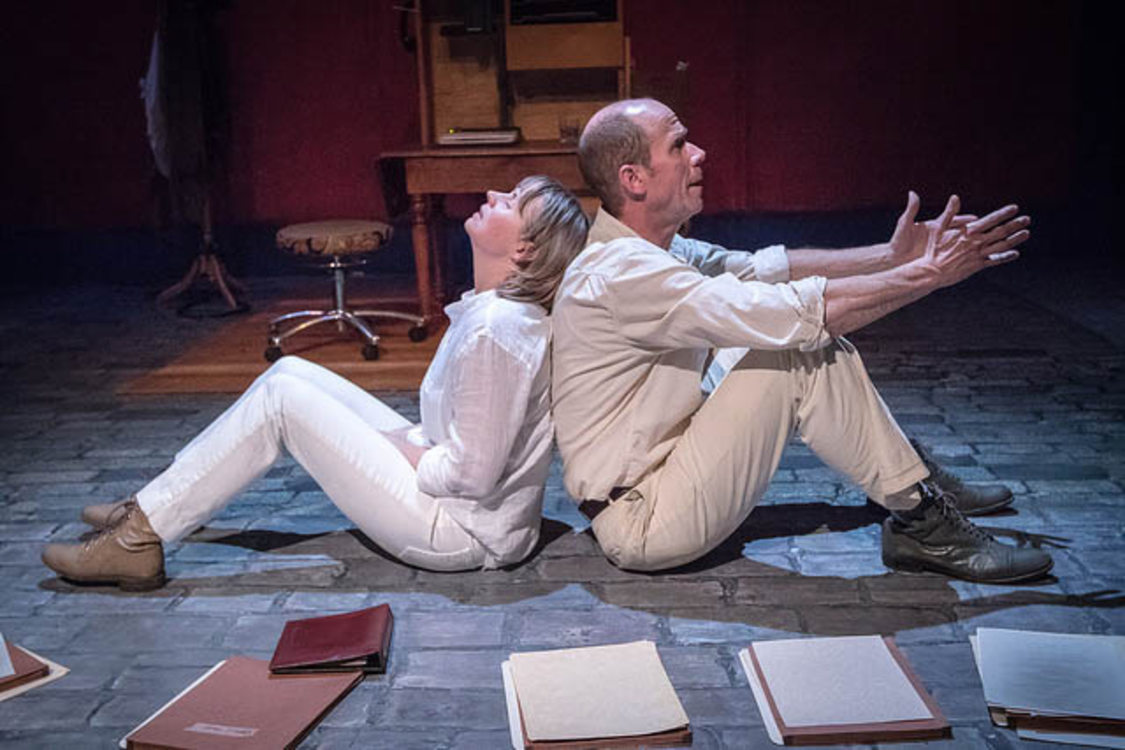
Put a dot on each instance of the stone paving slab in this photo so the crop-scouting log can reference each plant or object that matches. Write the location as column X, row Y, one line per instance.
column 1030, row 400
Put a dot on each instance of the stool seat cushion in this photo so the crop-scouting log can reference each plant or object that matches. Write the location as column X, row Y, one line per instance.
column 335, row 237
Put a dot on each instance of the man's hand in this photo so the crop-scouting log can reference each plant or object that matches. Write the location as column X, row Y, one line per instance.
column 413, row 453
column 954, row 252
column 1001, row 231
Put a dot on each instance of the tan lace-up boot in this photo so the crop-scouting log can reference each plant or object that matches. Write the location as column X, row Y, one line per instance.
column 128, row 554
column 107, row 514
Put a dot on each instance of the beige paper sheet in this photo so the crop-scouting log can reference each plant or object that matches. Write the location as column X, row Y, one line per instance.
column 54, row 672
column 600, row 691
column 837, row 681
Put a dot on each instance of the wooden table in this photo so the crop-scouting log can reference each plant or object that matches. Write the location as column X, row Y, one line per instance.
column 444, row 170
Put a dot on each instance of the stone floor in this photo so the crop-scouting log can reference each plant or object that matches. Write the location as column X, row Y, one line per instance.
column 1003, row 387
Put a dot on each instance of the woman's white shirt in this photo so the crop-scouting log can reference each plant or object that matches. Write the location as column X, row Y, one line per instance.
column 485, row 405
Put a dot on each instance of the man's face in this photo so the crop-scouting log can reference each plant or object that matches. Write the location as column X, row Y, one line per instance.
column 675, row 175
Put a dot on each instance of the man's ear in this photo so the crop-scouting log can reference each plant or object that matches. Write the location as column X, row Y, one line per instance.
column 633, row 180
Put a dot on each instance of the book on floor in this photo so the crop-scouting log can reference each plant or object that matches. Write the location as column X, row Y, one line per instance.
column 1057, row 687
column 595, row 697
column 238, row 703
column 21, row 670
column 850, row 689
column 336, row 643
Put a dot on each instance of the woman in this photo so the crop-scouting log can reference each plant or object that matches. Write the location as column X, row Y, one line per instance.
column 461, row 490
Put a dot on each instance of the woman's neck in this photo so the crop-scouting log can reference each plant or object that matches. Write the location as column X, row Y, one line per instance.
column 489, row 272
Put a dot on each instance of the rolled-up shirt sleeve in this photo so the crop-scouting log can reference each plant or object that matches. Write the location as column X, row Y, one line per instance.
column 661, row 303
column 490, row 395
column 770, row 264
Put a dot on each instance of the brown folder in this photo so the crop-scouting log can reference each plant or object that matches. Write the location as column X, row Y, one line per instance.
column 27, row 668
column 887, row 731
column 335, row 643
column 241, row 706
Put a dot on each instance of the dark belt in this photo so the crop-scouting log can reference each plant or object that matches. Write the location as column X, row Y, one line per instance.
column 591, row 508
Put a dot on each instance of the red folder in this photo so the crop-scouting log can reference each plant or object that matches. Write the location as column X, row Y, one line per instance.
column 241, row 706
column 335, row 643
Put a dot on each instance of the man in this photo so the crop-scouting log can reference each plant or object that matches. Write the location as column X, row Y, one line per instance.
column 666, row 474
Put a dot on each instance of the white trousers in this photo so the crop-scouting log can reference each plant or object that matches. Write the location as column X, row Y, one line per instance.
column 725, row 459
column 334, row 429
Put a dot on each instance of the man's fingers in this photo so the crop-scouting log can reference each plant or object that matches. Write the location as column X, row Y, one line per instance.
column 999, row 259
column 1006, row 245
column 1016, row 225
column 998, row 216
column 951, row 208
column 961, row 220
column 910, row 213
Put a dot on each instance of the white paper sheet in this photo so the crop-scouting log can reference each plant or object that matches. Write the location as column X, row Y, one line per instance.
column 1072, row 738
column 6, row 667
column 515, row 726
column 837, row 681
column 600, row 691
column 760, row 697
column 1054, row 673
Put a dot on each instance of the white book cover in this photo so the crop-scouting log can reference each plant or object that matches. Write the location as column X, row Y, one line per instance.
column 1053, row 673
column 600, row 691
column 837, row 682
column 1073, row 738
column 6, row 668
column 759, row 697
column 515, row 726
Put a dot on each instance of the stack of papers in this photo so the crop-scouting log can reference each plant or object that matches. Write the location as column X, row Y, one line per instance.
column 825, row 691
column 1057, row 687
column 602, row 696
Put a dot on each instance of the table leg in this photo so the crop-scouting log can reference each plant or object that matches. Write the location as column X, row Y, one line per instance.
column 440, row 253
column 420, row 233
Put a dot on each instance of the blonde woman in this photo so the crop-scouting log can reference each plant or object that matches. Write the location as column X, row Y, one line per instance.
column 461, row 490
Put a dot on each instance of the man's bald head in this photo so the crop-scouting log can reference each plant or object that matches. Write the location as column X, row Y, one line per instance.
column 617, row 134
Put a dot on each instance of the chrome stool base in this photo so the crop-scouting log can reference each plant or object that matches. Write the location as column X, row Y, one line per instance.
column 342, row 316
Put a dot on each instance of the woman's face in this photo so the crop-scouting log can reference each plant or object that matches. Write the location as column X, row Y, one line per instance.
column 496, row 228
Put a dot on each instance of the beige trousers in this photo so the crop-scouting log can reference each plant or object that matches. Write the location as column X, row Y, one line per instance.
column 725, row 459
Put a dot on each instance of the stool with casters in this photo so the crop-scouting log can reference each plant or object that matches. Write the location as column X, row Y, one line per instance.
column 338, row 245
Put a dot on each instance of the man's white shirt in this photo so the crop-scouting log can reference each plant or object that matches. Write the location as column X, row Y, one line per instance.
column 634, row 326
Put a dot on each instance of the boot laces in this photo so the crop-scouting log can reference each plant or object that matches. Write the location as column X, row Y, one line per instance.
column 98, row 538
column 101, row 535
column 957, row 519
column 939, row 473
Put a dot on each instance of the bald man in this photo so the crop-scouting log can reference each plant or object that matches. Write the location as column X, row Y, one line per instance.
column 664, row 472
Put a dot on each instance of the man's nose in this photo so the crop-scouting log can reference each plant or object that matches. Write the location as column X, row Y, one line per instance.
column 698, row 155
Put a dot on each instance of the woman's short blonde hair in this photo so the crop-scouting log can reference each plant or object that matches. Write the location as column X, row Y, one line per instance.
column 555, row 227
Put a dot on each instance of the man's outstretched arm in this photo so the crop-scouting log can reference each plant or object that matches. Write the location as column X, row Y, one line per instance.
column 949, row 255
column 907, row 244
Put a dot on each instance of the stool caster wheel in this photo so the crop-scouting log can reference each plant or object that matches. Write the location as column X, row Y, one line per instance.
column 371, row 351
column 273, row 353
column 417, row 333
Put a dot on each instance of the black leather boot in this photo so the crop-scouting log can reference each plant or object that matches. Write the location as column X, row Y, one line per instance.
column 936, row 537
column 975, row 500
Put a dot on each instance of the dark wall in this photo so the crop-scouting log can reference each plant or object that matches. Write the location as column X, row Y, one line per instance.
column 800, row 105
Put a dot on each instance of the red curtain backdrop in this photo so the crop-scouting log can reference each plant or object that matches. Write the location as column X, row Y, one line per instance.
column 801, row 105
